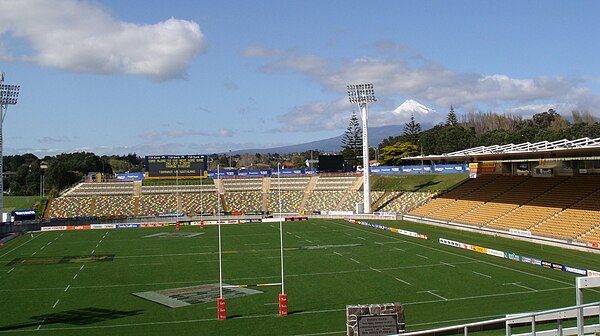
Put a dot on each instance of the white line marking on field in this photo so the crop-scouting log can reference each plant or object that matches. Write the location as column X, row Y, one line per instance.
column 422, row 256
column 399, row 249
column 10, row 270
column 297, row 236
column 150, row 264
column 432, row 292
column 93, row 251
column 364, row 230
column 362, row 238
column 404, row 282
column 378, row 243
column 339, row 254
column 49, row 243
column 75, row 276
column 44, row 320
column 375, row 269
column 66, row 289
column 356, row 261
column 483, row 275
column 518, row 284
column 41, row 248
column 308, row 241
column 97, row 245
column 271, row 304
column 55, row 303
column 447, row 264
column 82, row 266
column 256, row 244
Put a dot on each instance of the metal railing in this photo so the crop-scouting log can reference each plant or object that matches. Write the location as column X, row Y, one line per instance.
column 559, row 315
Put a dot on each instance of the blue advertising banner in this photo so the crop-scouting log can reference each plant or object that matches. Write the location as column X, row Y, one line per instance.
column 128, row 177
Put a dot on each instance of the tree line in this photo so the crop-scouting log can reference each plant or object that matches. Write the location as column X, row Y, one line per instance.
column 484, row 129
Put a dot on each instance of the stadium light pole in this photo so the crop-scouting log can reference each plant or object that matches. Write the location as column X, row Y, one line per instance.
column 221, row 307
column 362, row 95
column 9, row 93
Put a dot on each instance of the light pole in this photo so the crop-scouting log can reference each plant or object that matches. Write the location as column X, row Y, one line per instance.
column 362, row 95
column 9, row 93
column 43, row 167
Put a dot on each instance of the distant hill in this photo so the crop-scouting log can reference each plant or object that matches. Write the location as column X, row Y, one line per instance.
column 376, row 136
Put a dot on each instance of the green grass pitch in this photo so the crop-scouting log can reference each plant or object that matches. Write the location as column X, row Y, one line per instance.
column 82, row 282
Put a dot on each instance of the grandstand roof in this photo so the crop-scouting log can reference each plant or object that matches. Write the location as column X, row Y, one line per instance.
column 584, row 148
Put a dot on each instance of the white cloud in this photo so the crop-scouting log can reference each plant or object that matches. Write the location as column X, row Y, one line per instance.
column 396, row 79
column 221, row 133
column 82, row 36
column 316, row 117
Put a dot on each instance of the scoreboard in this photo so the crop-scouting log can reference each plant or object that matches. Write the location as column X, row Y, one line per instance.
column 172, row 166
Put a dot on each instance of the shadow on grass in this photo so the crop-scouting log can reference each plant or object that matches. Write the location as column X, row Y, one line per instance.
column 82, row 316
column 426, row 184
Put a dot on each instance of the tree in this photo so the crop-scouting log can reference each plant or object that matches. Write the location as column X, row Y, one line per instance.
column 451, row 119
column 392, row 155
column 352, row 141
column 412, row 129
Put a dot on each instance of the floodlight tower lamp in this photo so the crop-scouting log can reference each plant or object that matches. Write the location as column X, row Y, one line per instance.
column 362, row 95
column 9, row 94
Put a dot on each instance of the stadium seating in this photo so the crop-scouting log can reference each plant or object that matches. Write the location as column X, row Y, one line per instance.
column 290, row 201
column 244, row 201
column 404, row 202
column 114, row 206
column 153, row 205
column 335, row 182
column 199, row 203
column 242, row 184
column 101, row 188
column 70, row 207
column 297, row 183
column 323, row 200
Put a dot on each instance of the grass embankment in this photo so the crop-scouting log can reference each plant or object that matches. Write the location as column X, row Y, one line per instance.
column 424, row 182
column 24, row 202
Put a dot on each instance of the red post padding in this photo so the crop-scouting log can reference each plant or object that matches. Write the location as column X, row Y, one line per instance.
column 283, row 305
column 221, row 309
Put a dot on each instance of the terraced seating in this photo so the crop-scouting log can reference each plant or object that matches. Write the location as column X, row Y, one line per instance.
column 290, row 201
column 178, row 189
column 242, row 184
column 576, row 220
column 199, row 203
column 323, row 200
column 565, row 193
column 244, row 201
column 101, row 188
column 404, row 202
column 437, row 206
column 349, row 200
column 153, row 205
column 335, row 182
column 289, row 183
column 70, row 207
column 592, row 236
column 115, row 206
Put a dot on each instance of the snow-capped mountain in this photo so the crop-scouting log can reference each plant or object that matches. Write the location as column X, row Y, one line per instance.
column 411, row 106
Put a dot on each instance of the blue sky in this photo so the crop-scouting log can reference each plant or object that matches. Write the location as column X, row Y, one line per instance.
column 202, row 77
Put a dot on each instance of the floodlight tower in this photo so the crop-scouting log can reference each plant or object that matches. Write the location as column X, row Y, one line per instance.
column 362, row 95
column 8, row 96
